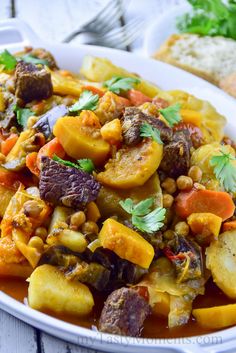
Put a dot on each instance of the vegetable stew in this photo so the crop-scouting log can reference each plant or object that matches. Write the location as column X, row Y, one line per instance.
column 117, row 199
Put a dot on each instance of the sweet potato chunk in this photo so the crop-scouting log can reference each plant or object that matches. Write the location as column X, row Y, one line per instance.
column 221, row 261
column 206, row 226
column 49, row 289
column 126, row 243
column 132, row 166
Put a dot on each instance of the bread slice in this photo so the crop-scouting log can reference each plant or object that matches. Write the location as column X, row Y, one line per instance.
column 211, row 58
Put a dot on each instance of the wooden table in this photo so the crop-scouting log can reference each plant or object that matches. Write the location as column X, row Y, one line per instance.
column 53, row 20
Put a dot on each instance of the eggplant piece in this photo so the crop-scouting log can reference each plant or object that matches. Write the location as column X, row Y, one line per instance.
column 47, row 121
column 186, row 256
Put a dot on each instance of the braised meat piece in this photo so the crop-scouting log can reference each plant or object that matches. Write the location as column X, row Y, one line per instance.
column 124, row 313
column 62, row 185
column 132, row 121
column 47, row 121
column 32, row 82
column 176, row 156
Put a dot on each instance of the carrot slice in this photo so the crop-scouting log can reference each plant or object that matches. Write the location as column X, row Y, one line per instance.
column 229, row 226
column 217, row 202
column 31, row 163
column 51, row 148
column 137, row 98
column 93, row 89
column 8, row 144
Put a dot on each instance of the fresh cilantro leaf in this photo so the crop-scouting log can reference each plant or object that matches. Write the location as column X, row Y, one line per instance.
column 7, row 60
column 118, row 84
column 172, row 114
column 87, row 101
column 22, row 115
column 141, row 216
column 147, row 130
column 210, row 17
column 83, row 164
column 86, row 165
column 151, row 222
column 28, row 58
column 225, row 170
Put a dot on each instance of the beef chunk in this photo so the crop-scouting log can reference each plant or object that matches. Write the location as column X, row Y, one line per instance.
column 47, row 121
column 66, row 186
column 124, row 313
column 134, row 118
column 32, row 82
column 176, row 156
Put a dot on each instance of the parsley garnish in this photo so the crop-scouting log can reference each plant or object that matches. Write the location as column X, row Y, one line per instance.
column 86, row 165
column 7, row 60
column 210, row 18
column 147, row 130
column 29, row 58
column 87, row 101
column 225, row 170
column 142, row 217
column 172, row 114
column 22, row 115
column 117, row 84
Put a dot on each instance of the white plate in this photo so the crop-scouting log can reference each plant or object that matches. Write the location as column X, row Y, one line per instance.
column 160, row 29
column 167, row 77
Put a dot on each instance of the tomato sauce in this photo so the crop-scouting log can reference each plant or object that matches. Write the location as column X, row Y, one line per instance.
column 154, row 327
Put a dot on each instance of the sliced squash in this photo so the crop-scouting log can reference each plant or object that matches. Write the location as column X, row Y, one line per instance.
column 221, row 261
column 81, row 141
column 132, row 166
column 216, row 317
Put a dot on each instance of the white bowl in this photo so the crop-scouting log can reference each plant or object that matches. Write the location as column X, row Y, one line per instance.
column 167, row 77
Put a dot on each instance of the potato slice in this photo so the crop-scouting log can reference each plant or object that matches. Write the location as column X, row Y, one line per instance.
column 216, row 317
column 132, row 166
column 50, row 290
column 221, row 261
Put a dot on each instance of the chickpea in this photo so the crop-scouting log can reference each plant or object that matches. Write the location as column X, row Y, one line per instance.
column 195, row 173
column 2, row 158
column 32, row 208
column 90, row 227
column 169, row 234
column 169, row 185
column 182, row 228
column 36, row 242
column 77, row 219
column 41, row 232
column 199, row 186
column 167, row 200
column 184, row 182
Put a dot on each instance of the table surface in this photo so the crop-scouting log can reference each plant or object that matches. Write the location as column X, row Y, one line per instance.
column 48, row 20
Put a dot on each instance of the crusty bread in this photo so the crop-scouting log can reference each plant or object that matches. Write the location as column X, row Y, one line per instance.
column 228, row 84
column 211, row 58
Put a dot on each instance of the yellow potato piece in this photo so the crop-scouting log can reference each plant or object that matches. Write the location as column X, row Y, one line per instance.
column 64, row 85
column 73, row 240
column 221, row 261
column 191, row 116
column 102, row 69
column 50, row 290
column 126, row 243
column 80, row 141
column 132, row 166
column 216, row 317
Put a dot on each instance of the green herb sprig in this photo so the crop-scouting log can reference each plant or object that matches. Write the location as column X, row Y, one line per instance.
column 225, row 170
column 172, row 114
column 210, row 17
column 86, row 165
column 147, row 130
column 22, row 115
column 7, row 60
column 87, row 101
column 117, row 83
column 142, row 217
column 29, row 58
